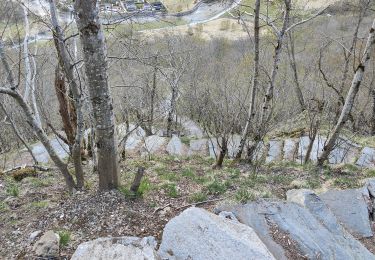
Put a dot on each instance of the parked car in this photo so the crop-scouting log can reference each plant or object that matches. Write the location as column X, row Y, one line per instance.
column 158, row 6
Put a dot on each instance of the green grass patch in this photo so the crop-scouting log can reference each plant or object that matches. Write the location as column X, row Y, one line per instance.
column 13, row 190
column 197, row 197
column 3, row 207
column 243, row 195
column 40, row 204
column 65, row 238
column 346, row 183
column 216, row 187
column 171, row 190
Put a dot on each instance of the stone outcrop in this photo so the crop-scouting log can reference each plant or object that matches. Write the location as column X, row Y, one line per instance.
column 200, row 235
column 117, row 248
column 48, row 245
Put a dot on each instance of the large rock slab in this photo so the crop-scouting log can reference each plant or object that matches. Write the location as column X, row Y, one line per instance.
column 41, row 154
column 367, row 158
column 351, row 209
column 290, row 149
column 317, row 148
column 176, row 147
column 154, row 144
column 344, row 152
column 302, row 149
column 200, row 235
column 275, row 151
column 192, row 128
column 213, row 147
column 313, row 238
column 133, row 248
column 316, row 206
column 233, row 144
column 199, row 146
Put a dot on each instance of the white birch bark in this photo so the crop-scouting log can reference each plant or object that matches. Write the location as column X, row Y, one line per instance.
column 350, row 98
column 96, row 68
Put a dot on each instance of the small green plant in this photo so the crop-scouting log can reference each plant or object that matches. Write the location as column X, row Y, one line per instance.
column 40, row 204
column 243, row 196
column 3, row 207
column 13, row 190
column 65, row 238
column 188, row 173
column 171, row 190
column 216, row 188
column 346, row 183
column 144, row 187
column 234, row 173
column 313, row 182
column 198, row 197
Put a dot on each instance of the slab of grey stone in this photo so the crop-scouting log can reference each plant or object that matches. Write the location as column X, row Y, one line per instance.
column 176, row 147
column 213, row 148
column 233, row 144
column 41, row 154
column 251, row 214
column 48, row 245
column 199, row 146
column 370, row 186
column 133, row 248
column 303, row 144
column 192, row 128
column 274, row 151
column 290, row 149
column 351, row 209
column 345, row 151
column 317, row 147
column 154, row 144
column 322, row 213
column 132, row 143
column 200, row 235
column 259, row 153
column 313, row 238
column 367, row 158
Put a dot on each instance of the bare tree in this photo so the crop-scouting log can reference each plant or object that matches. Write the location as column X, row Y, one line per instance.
column 67, row 65
column 13, row 92
column 350, row 98
column 96, row 69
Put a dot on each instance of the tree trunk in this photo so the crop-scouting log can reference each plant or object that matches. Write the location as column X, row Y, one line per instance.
column 293, row 65
column 278, row 50
column 96, row 68
column 67, row 66
column 349, row 102
column 172, row 110
column 64, row 110
column 223, row 152
column 373, row 112
column 251, row 112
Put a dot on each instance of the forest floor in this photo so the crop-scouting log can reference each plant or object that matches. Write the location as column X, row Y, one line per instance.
column 170, row 185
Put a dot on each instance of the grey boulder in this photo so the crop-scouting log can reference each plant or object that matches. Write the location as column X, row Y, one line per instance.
column 200, row 235
column 117, row 248
column 48, row 245
column 351, row 209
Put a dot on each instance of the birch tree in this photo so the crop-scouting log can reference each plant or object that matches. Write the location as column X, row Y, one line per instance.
column 67, row 65
column 13, row 91
column 96, row 69
column 350, row 97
